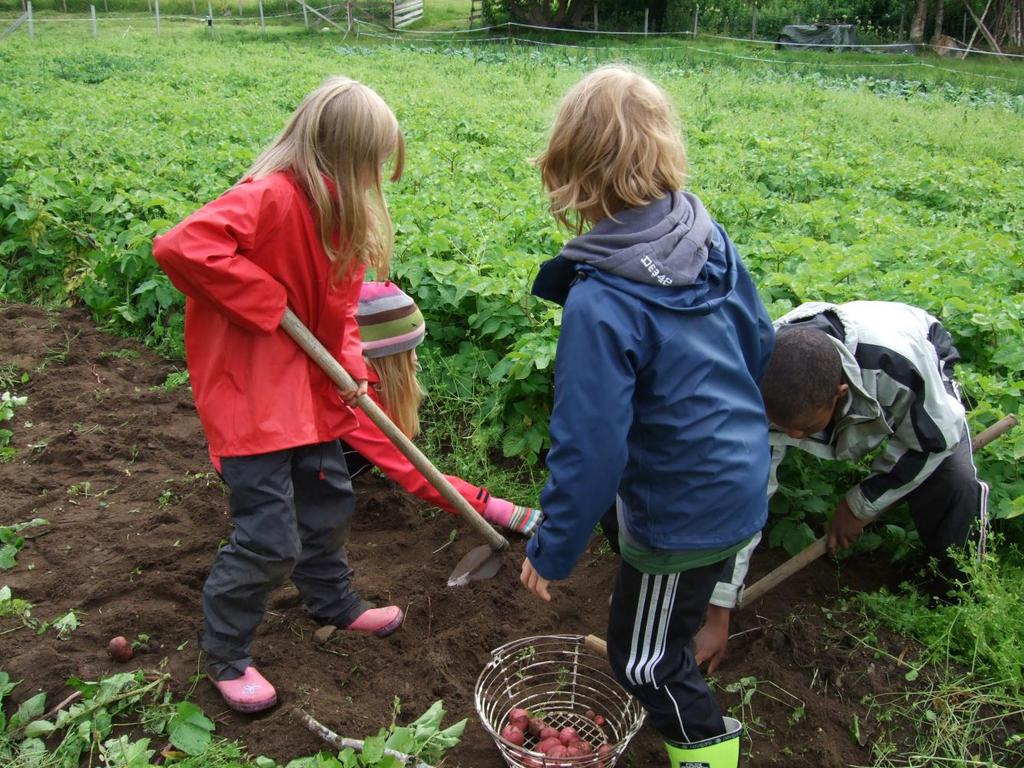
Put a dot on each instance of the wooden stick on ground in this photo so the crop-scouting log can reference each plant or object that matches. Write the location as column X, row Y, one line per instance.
column 340, row 742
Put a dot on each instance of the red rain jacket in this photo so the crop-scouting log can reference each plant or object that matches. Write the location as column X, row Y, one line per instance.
column 240, row 260
column 375, row 446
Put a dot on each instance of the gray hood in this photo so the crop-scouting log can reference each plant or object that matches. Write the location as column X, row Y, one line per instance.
column 663, row 243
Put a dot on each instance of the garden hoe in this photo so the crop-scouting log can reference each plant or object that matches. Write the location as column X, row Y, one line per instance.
column 481, row 562
column 807, row 556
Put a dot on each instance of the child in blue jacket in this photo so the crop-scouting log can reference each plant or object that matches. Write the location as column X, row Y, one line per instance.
column 656, row 407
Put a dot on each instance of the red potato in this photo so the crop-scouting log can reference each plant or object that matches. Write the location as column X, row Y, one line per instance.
column 535, row 726
column 547, row 732
column 513, row 735
column 606, row 753
column 558, row 751
column 568, row 736
column 120, row 649
column 584, row 747
column 520, row 718
column 599, row 720
column 589, row 714
column 547, row 745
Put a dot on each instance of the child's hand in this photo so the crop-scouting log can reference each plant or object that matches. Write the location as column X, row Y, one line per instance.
column 713, row 637
column 350, row 396
column 534, row 582
column 845, row 528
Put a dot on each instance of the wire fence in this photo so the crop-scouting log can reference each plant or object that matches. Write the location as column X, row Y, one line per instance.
column 342, row 17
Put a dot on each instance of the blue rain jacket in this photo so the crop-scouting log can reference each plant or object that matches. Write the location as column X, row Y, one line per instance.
column 656, row 399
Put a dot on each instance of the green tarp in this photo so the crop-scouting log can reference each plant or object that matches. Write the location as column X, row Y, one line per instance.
column 817, row 37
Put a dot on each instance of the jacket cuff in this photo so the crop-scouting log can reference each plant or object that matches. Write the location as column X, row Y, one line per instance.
column 725, row 595
column 859, row 506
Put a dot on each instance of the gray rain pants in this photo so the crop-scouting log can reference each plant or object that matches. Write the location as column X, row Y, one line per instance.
column 292, row 512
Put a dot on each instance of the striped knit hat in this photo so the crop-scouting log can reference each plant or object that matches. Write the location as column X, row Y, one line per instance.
column 389, row 320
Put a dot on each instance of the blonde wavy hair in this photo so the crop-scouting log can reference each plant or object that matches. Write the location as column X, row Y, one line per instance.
column 614, row 145
column 400, row 390
column 342, row 133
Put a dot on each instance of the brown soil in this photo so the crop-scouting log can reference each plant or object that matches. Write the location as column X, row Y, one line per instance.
column 119, row 468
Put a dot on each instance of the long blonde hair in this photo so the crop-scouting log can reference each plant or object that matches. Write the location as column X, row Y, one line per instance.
column 342, row 133
column 400, row 390
column 613, row 145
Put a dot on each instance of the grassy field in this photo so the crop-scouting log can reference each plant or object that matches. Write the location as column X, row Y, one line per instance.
column 839, row 178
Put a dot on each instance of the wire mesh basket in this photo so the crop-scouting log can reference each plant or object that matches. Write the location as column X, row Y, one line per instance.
column 556, row 678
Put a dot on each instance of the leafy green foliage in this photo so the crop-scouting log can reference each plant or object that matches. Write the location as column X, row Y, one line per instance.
column 8, row 403
column 11, row 543
column 190, row 730
column 424, row 738
column 983, row 630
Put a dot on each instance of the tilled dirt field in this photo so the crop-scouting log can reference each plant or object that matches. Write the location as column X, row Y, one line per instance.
column 118, row 466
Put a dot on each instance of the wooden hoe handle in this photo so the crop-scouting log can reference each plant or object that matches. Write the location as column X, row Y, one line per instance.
column 817, row 549
column 319, row 354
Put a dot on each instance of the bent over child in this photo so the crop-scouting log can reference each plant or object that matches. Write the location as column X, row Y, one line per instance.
column 391, row 327
column 298, row 231
column 656, row 405
column 843, row 380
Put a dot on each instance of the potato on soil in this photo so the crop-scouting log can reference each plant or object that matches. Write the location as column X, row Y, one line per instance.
column 120, row 649
column 535, row 726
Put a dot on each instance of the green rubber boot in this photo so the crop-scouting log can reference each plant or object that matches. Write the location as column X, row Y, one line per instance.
column 717, row 752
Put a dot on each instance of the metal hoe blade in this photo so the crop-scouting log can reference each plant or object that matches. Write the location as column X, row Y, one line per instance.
column 479, row 563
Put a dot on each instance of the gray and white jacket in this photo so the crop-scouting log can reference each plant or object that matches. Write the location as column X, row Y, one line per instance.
column 897, row 361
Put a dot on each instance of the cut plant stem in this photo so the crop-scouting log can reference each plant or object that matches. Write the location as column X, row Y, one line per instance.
column 341, row 742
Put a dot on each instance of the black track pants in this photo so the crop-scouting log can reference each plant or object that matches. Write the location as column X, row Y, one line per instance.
column 948, row 505
column 292, row 512
column 651, row 625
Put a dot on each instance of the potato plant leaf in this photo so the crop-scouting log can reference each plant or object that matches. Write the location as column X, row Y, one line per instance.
column 190, row 730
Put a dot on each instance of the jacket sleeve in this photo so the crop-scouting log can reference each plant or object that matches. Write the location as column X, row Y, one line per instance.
column 727, row 591
column 595, row 378
column 375, row 446
column 204, row 256
column 927, row 425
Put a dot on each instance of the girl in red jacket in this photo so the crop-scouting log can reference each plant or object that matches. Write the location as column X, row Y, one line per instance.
column 299, row 230
column 391, row 327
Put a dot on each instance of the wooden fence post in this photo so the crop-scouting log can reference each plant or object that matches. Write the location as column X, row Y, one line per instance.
column 595, row 16
column 209, row 14
column 305, row 15
column 348, row 14
column 696, row 13
column 31, row 22
column 92, row 13
column 647, row 17
column 753, row 22
column 262, row 26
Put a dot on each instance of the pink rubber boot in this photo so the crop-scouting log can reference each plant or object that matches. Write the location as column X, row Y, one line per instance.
column 249, row 693
column 511, row 516
column 380, row 621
